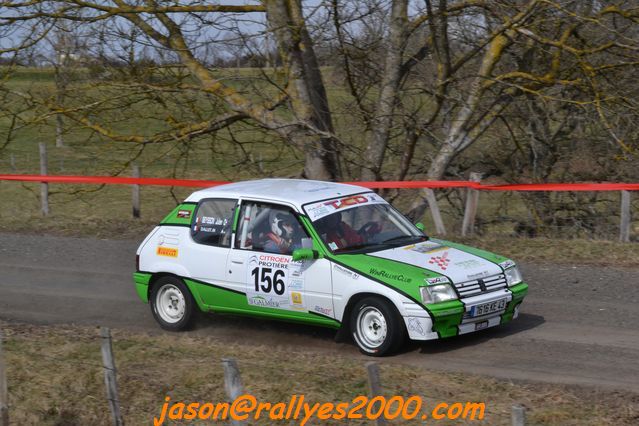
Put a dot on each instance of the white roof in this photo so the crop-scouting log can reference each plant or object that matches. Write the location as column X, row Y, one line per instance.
column 293, row 191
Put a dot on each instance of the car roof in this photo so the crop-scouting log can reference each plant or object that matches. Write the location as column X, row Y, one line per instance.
column 293, row 191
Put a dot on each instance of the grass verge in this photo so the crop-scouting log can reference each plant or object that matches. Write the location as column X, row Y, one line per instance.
column 55, row 378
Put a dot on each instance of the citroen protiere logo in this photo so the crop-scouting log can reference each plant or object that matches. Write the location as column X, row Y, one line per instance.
column 482, row 286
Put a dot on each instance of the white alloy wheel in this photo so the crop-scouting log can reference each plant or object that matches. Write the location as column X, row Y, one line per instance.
column 170, row 303
column 371, row 327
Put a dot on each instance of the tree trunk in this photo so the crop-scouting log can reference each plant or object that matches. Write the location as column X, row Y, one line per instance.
column 311, row 129
column 383, row 119
column 306, row 90
column 457, row 138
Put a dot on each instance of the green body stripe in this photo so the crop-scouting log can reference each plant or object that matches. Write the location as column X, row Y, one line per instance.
column 236, row 218
column 173, row 219
column 403, row 277
column 218, row 299
column 446, row 317
column 141, row 280
column 519, row 291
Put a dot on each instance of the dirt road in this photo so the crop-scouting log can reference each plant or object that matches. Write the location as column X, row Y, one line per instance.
column 579, row 324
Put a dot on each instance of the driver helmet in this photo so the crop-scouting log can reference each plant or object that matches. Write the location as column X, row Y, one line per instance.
column 277, row 221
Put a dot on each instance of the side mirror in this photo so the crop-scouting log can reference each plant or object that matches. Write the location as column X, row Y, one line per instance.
column 305, row 254
column 420, row 226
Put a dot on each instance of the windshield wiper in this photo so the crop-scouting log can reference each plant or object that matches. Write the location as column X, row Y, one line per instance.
column 402, row 237
column 357, row 247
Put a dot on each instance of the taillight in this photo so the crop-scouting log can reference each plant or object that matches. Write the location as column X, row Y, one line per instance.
column 137, row 262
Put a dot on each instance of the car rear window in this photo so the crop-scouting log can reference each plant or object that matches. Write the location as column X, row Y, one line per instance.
column 213, row 222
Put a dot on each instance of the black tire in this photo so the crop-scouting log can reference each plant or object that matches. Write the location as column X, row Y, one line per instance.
column 172, row 304
column 385, row 327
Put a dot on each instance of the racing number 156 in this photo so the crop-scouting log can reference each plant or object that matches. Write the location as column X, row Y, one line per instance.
column 269, row 280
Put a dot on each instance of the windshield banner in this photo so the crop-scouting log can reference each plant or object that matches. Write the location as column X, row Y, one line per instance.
column 324, row 208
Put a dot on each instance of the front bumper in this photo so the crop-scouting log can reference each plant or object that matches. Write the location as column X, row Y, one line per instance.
column 453, row 318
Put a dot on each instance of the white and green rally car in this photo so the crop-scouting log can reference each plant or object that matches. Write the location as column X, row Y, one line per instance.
column 320, row 253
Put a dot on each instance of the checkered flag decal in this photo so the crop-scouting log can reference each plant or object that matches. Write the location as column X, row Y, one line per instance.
column 441, row 261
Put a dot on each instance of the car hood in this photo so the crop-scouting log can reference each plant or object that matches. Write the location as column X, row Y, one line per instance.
column 457, row 263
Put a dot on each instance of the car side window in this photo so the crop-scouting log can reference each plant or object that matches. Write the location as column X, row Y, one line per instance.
column 269, row 227
column 213, row 222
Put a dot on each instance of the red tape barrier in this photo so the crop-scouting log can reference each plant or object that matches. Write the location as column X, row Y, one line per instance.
column 434, row 184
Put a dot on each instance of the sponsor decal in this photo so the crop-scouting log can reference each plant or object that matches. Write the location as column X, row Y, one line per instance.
column 324, row 208
column 324, row 311
column 275, row 281
column 318, row 188
column 507, row 264
column 415, row 325
column 478, row 275
column 296, row 297
column 441, row 261
column 296, row 284
column 167, row 251
column 426, row 248
column 348, row 201
column 397, row 277
column 184, row 214
column 468, row 264
column 346, row 272
column 264, row 302
column 438, row 280
column 271, row 261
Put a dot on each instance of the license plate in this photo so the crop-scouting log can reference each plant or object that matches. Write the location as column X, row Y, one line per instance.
column 487, row 308
column 481, row 325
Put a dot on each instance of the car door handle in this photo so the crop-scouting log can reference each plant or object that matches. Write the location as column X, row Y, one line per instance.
column 238, row 262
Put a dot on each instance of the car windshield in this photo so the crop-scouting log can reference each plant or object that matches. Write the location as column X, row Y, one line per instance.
column 361, row 224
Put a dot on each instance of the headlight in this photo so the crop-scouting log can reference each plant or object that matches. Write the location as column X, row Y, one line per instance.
column 513, row 276
column 438, row 293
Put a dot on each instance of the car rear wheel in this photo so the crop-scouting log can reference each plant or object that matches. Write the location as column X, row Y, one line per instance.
column 376, row 326
column 172, row 304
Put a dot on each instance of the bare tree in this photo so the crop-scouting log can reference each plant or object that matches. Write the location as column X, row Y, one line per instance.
column 416, row 84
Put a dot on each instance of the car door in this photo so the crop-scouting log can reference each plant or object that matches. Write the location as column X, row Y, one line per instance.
column 209, row 245
column 261, row 262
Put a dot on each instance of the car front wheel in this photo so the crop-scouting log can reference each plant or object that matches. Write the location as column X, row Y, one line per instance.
column 172, row 304
column 376, row 326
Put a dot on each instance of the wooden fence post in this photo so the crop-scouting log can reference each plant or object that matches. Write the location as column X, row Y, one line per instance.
column 232, row 383
column 472, row 200
column 518, row 415
column 136, row 193
column 110, row 378
column 4, row 394
column 44, row 186
column 624, row 226
column 375, row 389
column 434, row 211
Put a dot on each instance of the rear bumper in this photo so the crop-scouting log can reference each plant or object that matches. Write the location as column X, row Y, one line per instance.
column 141, row 280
